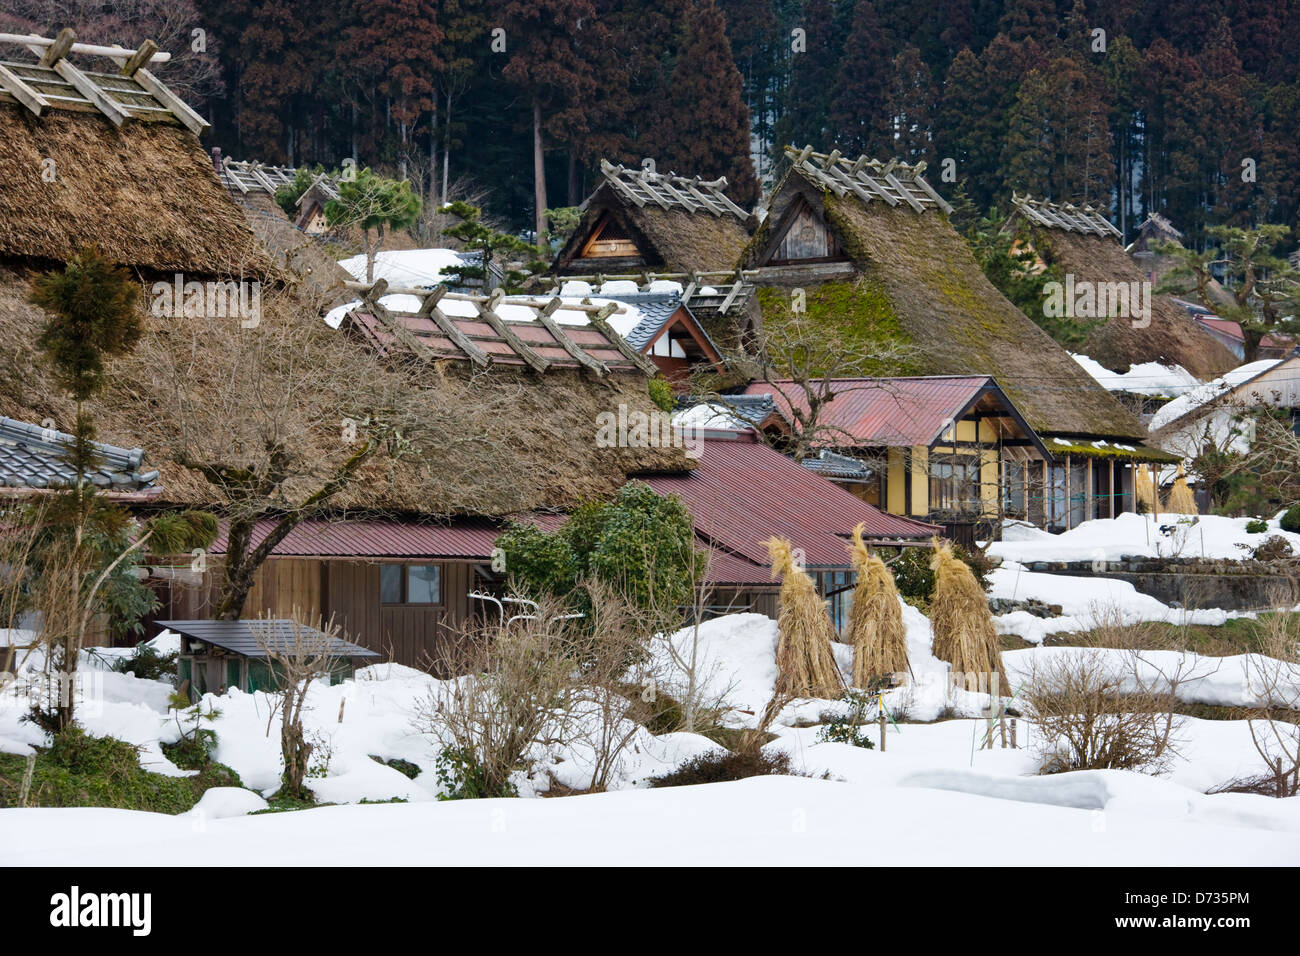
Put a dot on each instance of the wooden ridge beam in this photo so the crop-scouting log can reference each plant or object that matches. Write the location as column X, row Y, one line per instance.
column 178, row 107
column 12, row 84
column 566, row 343
column 487, row 312
column 636, row 358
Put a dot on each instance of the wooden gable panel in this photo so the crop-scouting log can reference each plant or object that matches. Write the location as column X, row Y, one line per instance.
column 806, row 237
column 609, row 241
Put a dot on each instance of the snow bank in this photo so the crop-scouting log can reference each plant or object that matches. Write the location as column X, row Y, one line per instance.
column 407, row 267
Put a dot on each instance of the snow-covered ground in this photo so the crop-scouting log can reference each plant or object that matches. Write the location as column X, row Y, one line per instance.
column 933, row 796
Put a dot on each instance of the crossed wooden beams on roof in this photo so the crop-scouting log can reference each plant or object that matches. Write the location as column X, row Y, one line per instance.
column 253, row 175
column 53, row 82
column 1065, row 216
column 507, row 332
column 867, row 178
column 720, row 290
column 642, row 187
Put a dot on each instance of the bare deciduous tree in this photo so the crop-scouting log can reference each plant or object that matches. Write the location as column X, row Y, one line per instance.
column 296, row 657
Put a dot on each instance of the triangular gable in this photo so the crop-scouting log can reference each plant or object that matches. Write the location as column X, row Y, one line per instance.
column 610, row 240
column 803, row 236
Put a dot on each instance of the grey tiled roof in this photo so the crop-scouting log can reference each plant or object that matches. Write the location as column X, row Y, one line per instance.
column 657, row 308
column 251, row 638
column 830, row 465
column 34, row 457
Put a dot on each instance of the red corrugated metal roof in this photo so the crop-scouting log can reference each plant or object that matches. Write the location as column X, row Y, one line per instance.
column 742, row 493
column 894, row 411
column 1233, row 330
column 319, row 538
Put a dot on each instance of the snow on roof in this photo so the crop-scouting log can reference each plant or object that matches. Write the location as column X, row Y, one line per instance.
column 1146, row 378
column 1204, row 394
column 407, row 267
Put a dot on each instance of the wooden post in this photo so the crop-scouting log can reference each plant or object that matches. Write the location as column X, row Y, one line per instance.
column 1047, row 511
column 1069, row 505
column 1002, row 729
column 28, row 769
column 1089, row 496
column 342, row 703
column 883, row 726
column 1155, row 492
column 1112, row 487
column 1013, row 733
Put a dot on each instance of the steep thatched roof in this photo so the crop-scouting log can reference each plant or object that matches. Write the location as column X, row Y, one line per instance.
column 145, row 193
column 912, row 281
column 676, row 224
column 492, row 442
column 1171, row 338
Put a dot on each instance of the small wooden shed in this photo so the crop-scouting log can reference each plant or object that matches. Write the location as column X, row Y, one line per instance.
column 218, row 655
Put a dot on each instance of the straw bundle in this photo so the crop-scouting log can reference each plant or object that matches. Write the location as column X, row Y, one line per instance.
column 805, row 663
column 963, row 626
column 1144, row 490
column 1181, row 500
column 876, row 620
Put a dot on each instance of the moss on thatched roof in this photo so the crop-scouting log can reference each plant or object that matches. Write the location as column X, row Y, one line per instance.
column 1172, row 338
column 927, row 291
column 146, row 194
column 492, row 443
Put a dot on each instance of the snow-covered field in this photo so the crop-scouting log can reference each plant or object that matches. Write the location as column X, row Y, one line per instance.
column 932, row 796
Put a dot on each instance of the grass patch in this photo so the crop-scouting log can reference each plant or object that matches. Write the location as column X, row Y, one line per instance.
column 77, row 770
column 1238, row 635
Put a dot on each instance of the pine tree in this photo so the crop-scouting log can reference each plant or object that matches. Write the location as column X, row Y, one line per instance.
column 859, row 107
column 1026, row 165
column 806, row 117
column 704, row 129
column 1030, row 19
column 398, row 42
column 911, row 106
column 551, row 64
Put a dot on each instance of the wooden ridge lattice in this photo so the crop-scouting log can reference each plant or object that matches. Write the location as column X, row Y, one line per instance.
column 646, row 189
column 46, row 79
column 719, row 292
column 868, row 179
column 486, row 338
column 249, row 177
column 1066, row 216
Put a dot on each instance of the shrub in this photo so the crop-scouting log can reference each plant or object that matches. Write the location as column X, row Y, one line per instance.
column 1086, row 716
column 1291, row 519
column 727, row 765
column 463, row 777
column 147, row 664
column 915, row 578
column 193, row 751
column 1273, row 548
column 847, row 728
column 78, row 770
column 661, row 393
column 404, row 767
column 1256, row 526
column 641, row 543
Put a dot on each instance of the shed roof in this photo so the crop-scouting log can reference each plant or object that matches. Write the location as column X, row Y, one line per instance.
column 465, row 537
column 250, row 176
column 742, row 492
column 247, row 638
column 34, row 457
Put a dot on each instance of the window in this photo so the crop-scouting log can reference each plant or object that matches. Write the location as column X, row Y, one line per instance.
column 954, row 486
column 410, row 584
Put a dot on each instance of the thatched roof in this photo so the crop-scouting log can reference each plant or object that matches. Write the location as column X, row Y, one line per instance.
column 916, row 284
column 110, row 158
column 676, row 224
column 1171, row 338
column 145, row 193
column 492, row 442
column 308, row 258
